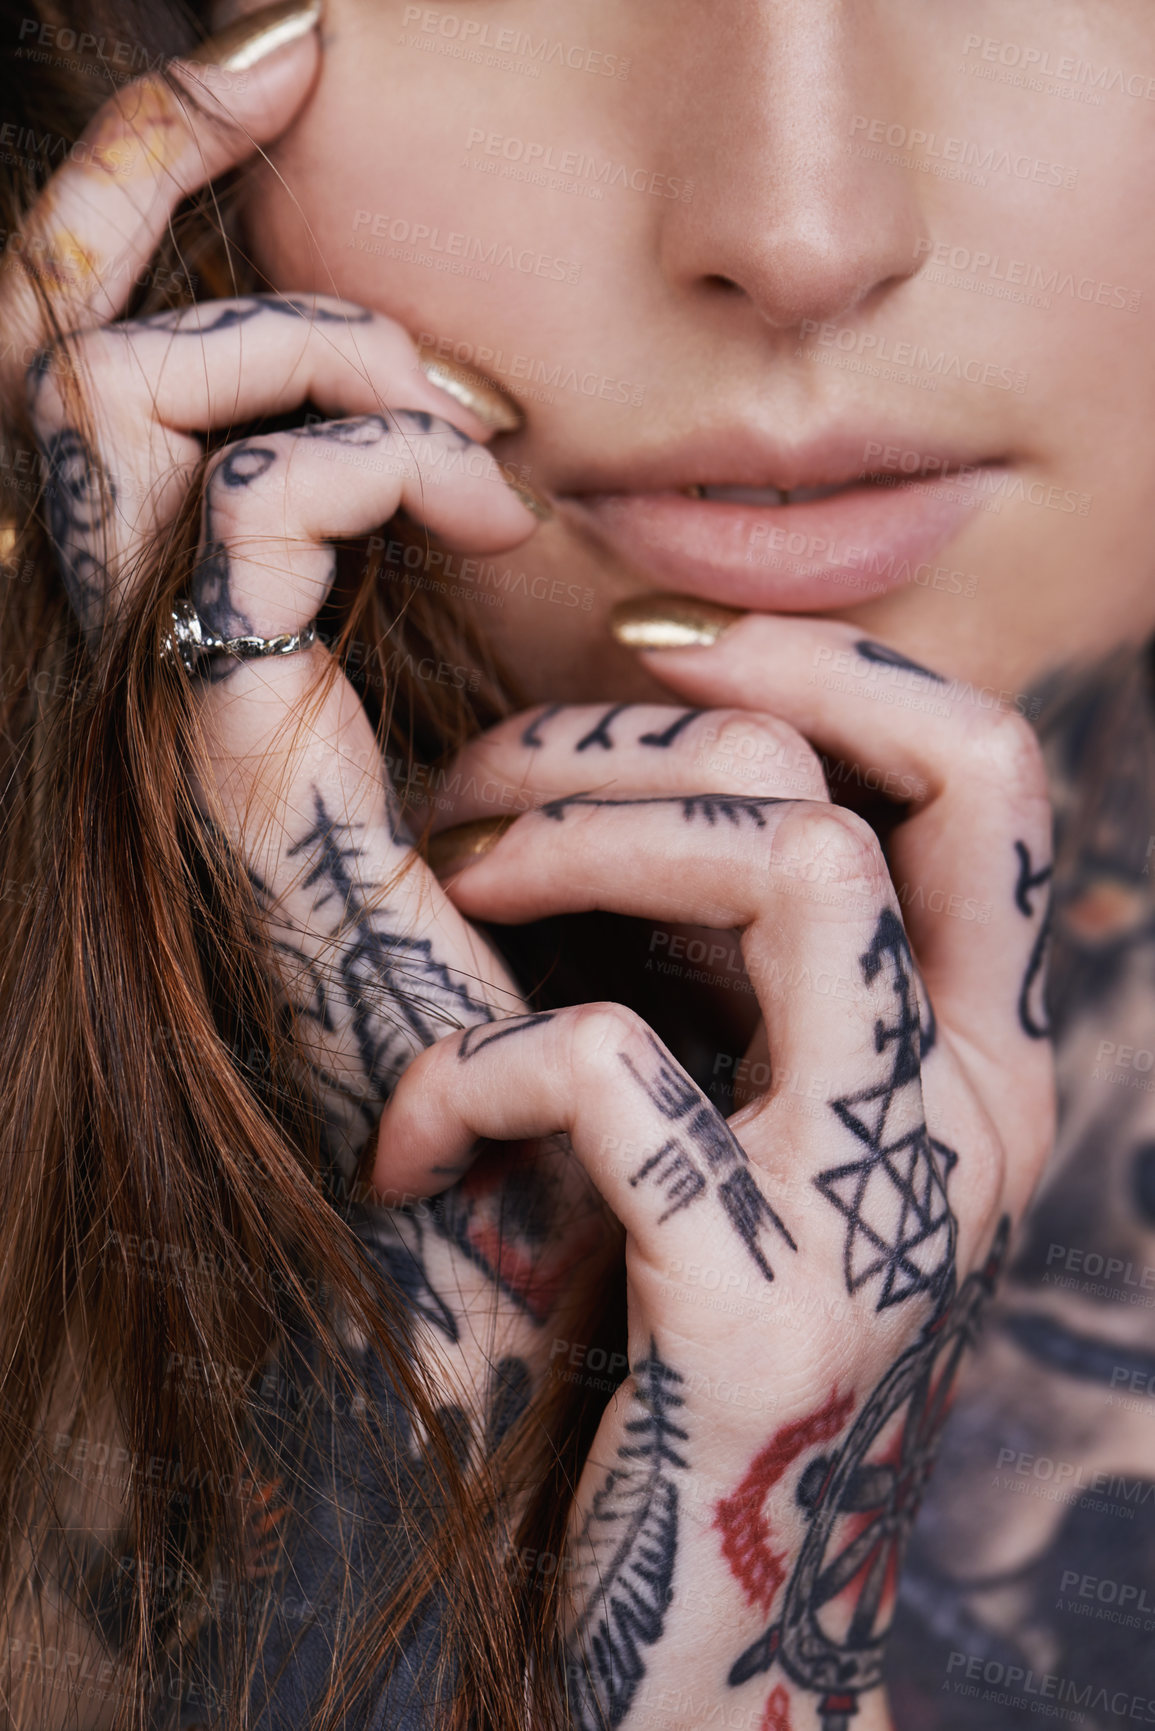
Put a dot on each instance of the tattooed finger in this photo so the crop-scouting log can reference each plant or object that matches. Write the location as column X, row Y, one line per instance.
column 565, row 749
column 662, row 1156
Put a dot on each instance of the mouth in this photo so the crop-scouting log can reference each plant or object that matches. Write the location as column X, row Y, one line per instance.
column 827, row 533
column 776, row 495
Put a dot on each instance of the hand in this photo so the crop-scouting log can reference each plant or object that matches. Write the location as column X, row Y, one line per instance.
column 711, row 1545
column 375, row 961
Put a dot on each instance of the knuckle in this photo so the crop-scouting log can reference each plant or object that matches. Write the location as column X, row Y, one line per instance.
column 599, row 1034
column 829, row 844
column 1005, row 752
column 322, row 308
column 90, row 359
column 243, row 473
column 761, row 751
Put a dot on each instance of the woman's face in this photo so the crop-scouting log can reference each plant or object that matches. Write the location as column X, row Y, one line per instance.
column 768, row 244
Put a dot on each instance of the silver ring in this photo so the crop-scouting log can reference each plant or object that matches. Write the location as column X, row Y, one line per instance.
column 189, row 641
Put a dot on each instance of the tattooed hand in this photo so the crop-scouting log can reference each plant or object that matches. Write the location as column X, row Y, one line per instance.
column 802, row 1279
column 376, row 962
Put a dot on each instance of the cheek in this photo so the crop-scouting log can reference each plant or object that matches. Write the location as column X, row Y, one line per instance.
column 415, row 185
column 1056, row 252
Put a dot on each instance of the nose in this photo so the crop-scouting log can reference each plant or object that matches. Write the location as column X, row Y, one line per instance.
column 788, row 209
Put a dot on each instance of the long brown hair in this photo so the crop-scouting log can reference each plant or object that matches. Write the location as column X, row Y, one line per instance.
column 167, row 1225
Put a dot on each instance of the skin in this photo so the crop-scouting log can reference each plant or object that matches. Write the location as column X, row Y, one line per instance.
column 801, row 230
column 974, row 779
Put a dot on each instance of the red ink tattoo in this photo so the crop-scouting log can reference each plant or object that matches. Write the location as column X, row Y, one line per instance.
column 741, row 1518
column 777, row 1714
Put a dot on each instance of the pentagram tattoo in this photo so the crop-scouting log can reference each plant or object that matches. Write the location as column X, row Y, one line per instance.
column 900, row 1228
column 1033, row 1018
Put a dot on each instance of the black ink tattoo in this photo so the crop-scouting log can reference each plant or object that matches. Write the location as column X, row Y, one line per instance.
column 226, row 315
column 532, row 734
column 484, row 1034
column 503, row 1219
column 900, row 1229
column 705, row 1156
column 881, row 655
column 666, row 738
column 599, row 734
column 79, row 497
column 397, row 1238
column 625, row 1554
column 1033, row 1017
column 211, row 587
column 390, row 990
column 508, row 1400
column 736, row 809
column 860, row 1505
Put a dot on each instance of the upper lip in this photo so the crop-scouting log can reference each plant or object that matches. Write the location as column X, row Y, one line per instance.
column 742, row 458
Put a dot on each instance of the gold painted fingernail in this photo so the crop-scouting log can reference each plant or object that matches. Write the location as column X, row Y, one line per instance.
column 472, row 390
column 530, row 497
column 454, row 849
column 240, row 45
column 670, row 622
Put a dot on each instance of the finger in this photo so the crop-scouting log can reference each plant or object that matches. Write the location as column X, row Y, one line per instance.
column 273, row 502
column 377, row 961
column 597, row 1073
column 622, row 748
column 228, row 361
column 807, row 887
column 104, row 213
column 802, row 883
column 971, row 861
column 150, row 380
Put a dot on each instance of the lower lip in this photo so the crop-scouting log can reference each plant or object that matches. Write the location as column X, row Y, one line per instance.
column 826, row 554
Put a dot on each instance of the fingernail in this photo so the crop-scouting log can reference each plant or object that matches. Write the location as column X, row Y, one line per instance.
column 530, row 497
column 454, row 849
column 473, row 391
column 670, row 622
column 240, row 45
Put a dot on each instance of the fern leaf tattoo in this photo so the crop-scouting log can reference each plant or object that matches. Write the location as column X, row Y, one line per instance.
column 624, row 1556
